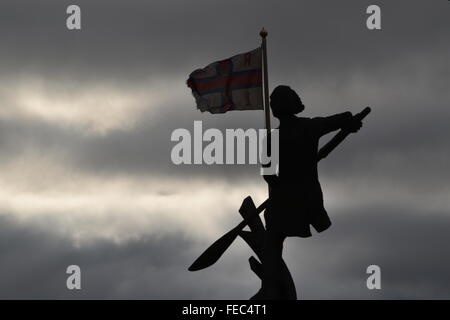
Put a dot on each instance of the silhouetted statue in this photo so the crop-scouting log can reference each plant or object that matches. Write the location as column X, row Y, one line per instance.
column 296, row 200
column 295, row 197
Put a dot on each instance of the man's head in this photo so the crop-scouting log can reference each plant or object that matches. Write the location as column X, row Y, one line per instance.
column 285, row 101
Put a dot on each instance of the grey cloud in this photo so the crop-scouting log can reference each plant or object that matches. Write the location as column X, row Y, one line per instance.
column 34, row 262
column 413, row 143
column 408, row 246
column 157, row 34
column 133, row 40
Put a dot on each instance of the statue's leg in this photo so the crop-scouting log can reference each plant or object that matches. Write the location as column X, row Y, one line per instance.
column 289, row 291
column 255, row 239
column 272, row 265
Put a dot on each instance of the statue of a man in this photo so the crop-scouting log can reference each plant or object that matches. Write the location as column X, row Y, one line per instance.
column 296, row 199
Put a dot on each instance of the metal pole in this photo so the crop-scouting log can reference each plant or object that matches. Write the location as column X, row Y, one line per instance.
column 263, row 34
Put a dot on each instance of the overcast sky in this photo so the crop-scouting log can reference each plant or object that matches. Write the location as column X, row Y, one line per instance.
column 85, row 124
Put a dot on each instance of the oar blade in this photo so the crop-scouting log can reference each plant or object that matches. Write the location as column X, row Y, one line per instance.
column 215, row 251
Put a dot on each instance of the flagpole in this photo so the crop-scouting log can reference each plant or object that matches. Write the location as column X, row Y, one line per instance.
column 263, row 34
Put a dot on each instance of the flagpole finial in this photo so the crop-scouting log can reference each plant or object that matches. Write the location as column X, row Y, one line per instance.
column 263, row 33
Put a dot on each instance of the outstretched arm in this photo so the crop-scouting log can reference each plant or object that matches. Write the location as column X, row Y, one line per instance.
column 345, row 120
column 341, row 135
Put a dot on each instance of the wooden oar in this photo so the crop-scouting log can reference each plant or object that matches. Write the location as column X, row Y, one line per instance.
column 215, row 251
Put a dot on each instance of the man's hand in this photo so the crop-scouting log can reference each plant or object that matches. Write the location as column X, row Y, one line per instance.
column 354, row 125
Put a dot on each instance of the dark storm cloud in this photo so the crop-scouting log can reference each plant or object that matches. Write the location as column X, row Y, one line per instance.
column 408, row 246
column 125, row 43
column 34, row 262
column 133, row 39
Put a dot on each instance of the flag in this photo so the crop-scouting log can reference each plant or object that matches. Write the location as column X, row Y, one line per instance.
column 231, row 84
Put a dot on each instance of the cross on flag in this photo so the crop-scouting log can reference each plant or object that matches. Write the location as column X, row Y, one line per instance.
column 231, row 84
